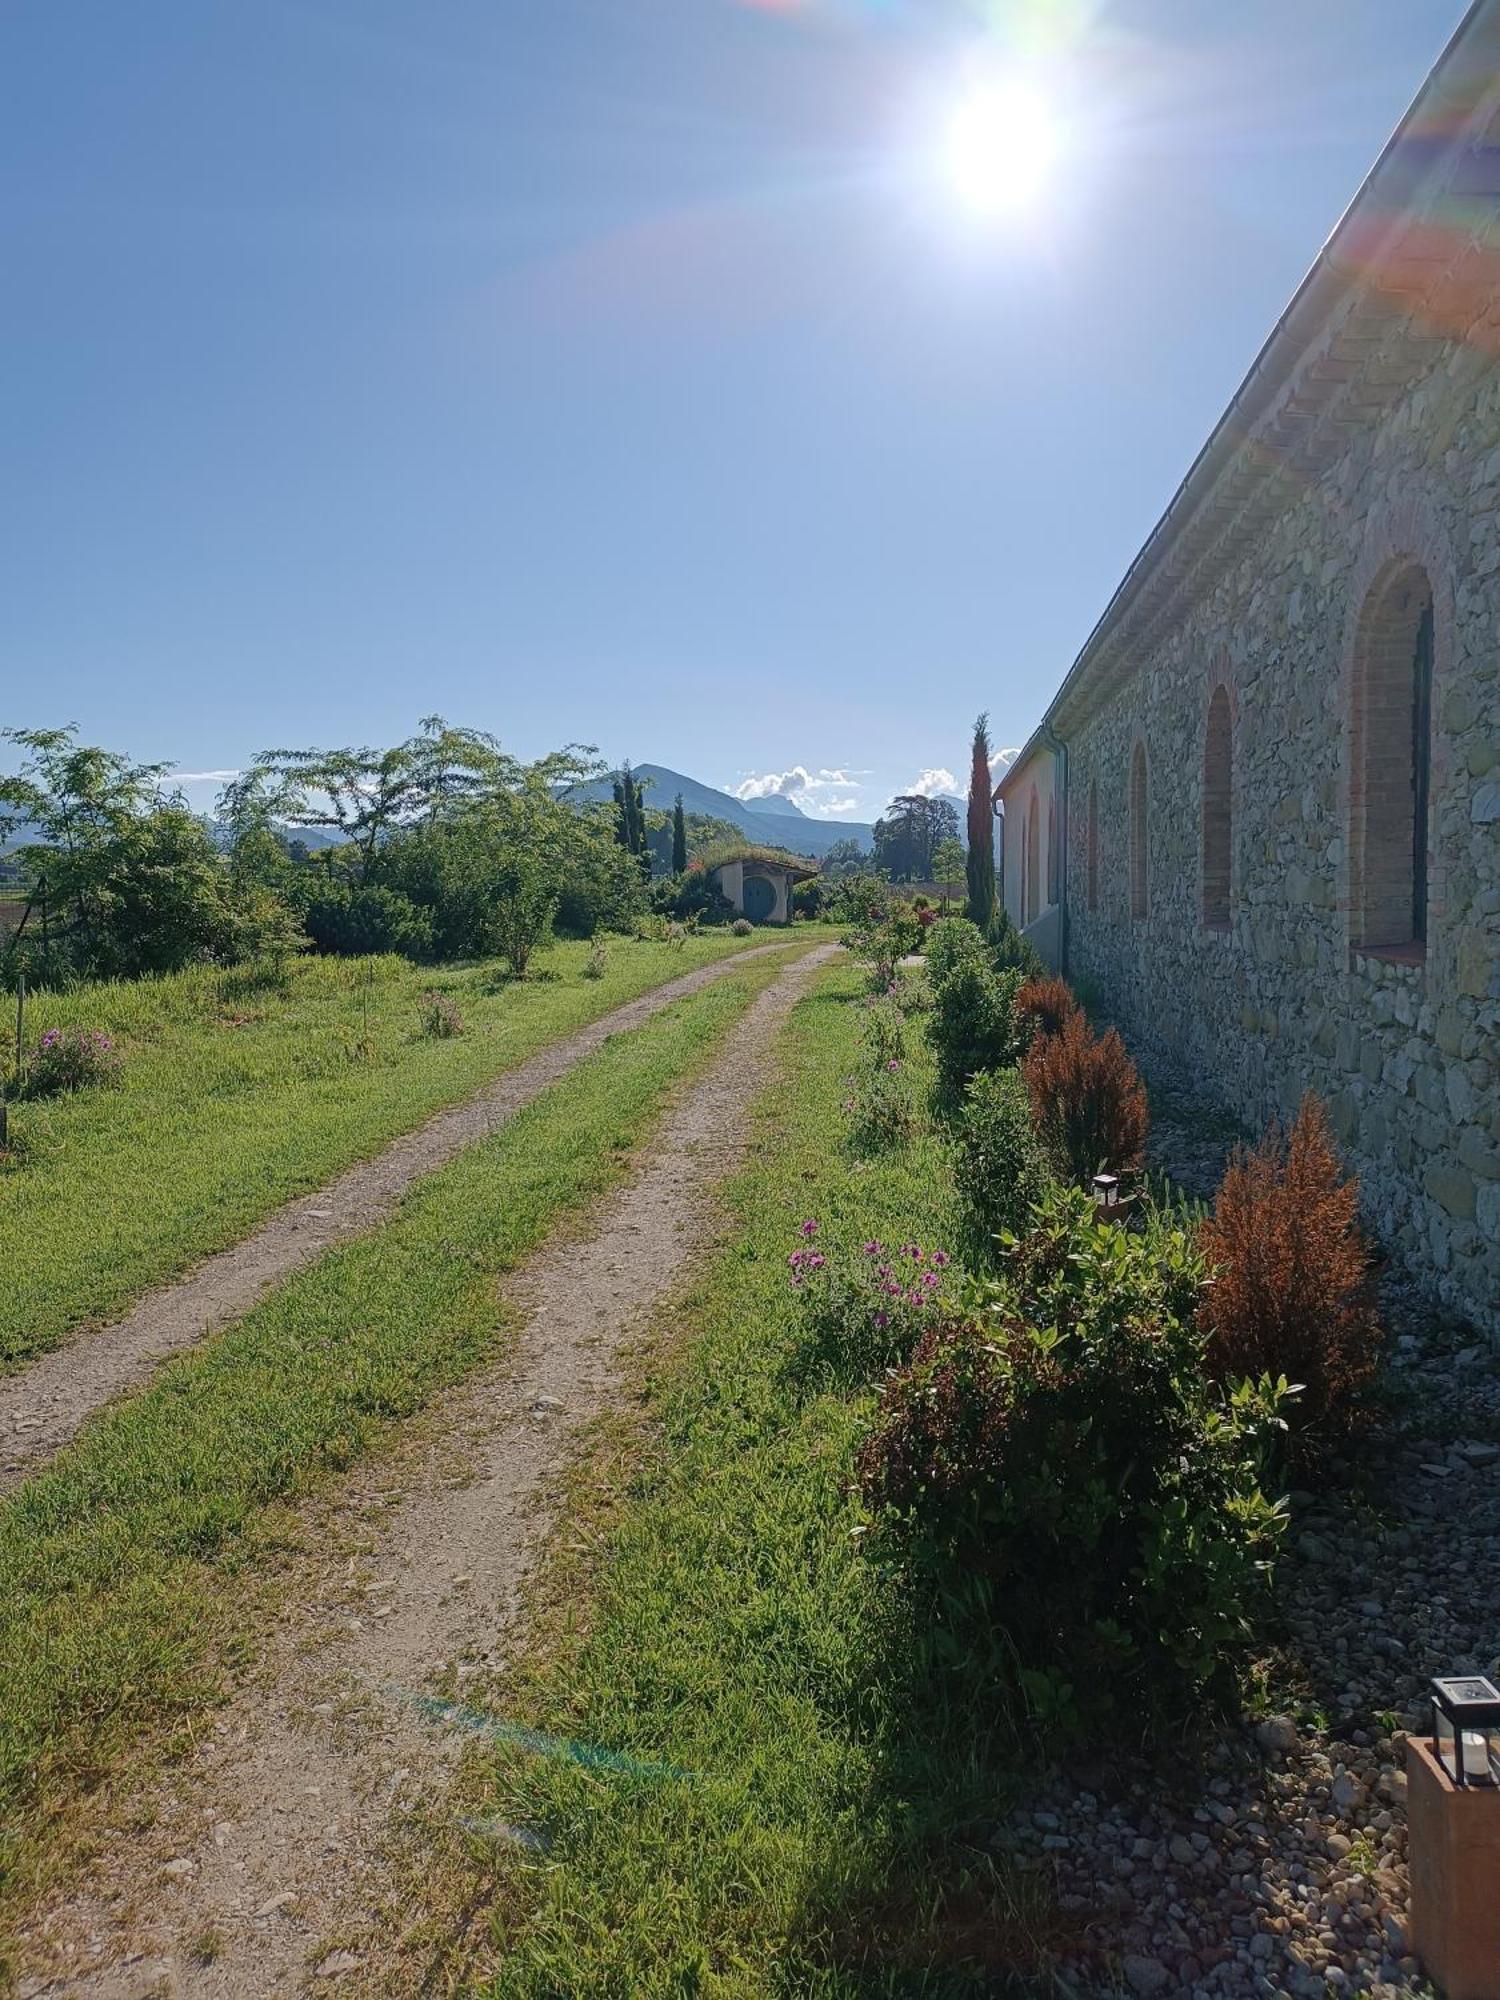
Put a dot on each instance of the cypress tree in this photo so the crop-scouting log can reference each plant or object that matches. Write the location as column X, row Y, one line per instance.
column 981, row 863
column 622, row 816
column 679, row 837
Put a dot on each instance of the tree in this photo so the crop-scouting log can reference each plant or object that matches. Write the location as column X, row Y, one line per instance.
column 134, row 882
column 846, row 857
column 948, row 865
column 679, row 837
column 981, row 866
column 909, row 833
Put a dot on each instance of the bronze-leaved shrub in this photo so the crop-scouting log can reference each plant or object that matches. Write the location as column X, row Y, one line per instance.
column 1087, row 1099
column 1289, row 1291
column 1044, row 1005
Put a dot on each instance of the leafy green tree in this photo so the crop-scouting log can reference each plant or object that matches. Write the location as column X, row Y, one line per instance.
column 981, row 864
column 948, row 865
column 846, row 857
column 679, row 837
column 909, row 833
column 129, row 880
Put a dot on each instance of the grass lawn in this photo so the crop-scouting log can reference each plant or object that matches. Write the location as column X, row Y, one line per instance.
column 133, row 1568
column 785, row 1808
column 237, row 1097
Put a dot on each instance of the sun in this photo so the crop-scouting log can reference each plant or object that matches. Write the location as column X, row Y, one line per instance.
column 1002, row 142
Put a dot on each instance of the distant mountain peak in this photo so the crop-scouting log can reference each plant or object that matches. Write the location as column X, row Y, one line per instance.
column 662, row 785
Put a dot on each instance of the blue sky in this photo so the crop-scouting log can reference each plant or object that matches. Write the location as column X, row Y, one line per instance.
column 627, row 370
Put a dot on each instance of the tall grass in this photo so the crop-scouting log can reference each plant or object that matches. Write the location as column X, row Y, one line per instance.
column 241, row 1091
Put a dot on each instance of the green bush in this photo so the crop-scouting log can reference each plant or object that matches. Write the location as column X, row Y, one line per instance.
column 972, row 1025
column 355, row 921
column 1078, row 1510
column 742, row 927
column 1010, row 950
column 950, row 944
column 1002, row 1172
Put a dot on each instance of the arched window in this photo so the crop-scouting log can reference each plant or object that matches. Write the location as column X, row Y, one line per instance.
column 1033, row 859
column 1052, row 854
column 1093, row 844
column 1391, row 763
column 1139, row 851
column 1218, row 836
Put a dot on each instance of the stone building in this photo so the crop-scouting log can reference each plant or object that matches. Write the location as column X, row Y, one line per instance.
column 758, row 882
column 1262, row 812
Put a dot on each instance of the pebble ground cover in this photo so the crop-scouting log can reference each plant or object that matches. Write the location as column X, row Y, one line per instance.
column 237, row 1095
column 132, row 1569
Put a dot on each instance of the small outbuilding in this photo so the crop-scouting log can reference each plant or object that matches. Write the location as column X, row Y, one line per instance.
column 758, row 881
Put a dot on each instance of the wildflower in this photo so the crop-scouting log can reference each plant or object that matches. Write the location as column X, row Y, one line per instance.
column 874, row 1249
column 809, row 1229
column 816, row 1262
column 941, row 1259
column 893, row 1065
column 795, row 1259
column 882, row 1320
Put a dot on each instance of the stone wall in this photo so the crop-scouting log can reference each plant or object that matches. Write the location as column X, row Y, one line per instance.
column 1404, row 1048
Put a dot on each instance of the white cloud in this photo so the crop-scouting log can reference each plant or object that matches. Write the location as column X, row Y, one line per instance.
column 931, row 782
column 1002, row 760
column 797, row 783
column 203, row 777
column 839, row 806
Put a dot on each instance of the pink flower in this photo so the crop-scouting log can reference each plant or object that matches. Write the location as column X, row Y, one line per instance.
column 809, row 1229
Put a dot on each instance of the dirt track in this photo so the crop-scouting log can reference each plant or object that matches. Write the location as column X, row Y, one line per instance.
column 42, row 1409
column 273, row 1839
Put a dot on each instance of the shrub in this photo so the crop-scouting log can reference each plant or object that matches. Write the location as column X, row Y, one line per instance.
column 1290, row 1290
column 594, row 965
column 1011, row 951
column 972, row 1025
column 742, row 927
column 356, row 921
column 864, row 1310
column 1044, row 1005
column 439, row 1016
column 1002, row 1172
column 1076, row 1507
column 953, row 943
column 1088, row 1102
column 69, row 1059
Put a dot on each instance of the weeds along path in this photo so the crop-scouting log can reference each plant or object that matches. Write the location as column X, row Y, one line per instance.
column 264, row 1864
column 42, row 1408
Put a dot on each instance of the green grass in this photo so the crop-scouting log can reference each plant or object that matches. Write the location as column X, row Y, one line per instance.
column 805, row 1816
column 237, row 1096
column 131, row 1567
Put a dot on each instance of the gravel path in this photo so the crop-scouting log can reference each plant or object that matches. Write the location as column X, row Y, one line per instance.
column 267, row 1851
column 1282, row 1871
column 43, row 1408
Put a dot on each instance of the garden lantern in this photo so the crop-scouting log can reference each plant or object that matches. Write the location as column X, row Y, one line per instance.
column 1466, row 1729
column 1107, row 1190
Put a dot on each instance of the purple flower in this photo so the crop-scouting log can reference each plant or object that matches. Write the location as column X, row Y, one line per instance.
column 795, row 1259
column 882, row 1320
column 809, row 1229
column 874, row 1249
column 931, row 1278
column 941, row 1259
column 816, row 1262
column 893, row 1066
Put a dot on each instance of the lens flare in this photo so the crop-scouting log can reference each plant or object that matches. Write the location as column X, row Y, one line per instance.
column 1001, row 144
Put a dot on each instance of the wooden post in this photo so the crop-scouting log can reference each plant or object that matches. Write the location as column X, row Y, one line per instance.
column 1453, row 1847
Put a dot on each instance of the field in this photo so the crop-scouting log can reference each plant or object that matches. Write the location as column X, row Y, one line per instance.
column 238, row 1094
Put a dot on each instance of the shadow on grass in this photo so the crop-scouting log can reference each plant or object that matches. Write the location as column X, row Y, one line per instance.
column 926, row 1901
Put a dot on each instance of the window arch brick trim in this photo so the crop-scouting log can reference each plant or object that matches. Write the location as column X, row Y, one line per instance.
column 1408, row 532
